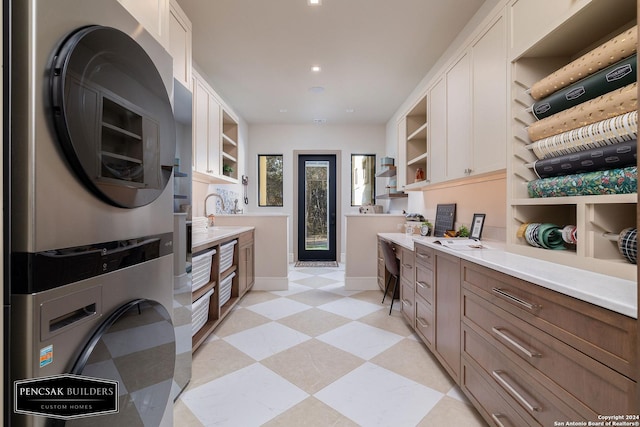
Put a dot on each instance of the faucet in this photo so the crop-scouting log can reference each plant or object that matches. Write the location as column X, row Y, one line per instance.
column 207, row 198
column 235, row 209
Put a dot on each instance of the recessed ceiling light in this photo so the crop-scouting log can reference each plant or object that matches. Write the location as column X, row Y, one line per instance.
column 319, row 121
column 316, row 68
column 283, row 110
column 314, row 2
column 350, row 110
column 316, row 89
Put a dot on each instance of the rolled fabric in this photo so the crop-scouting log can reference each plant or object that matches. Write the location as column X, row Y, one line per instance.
column 613, row 181
column 600, row 134
column 612, row 104
column 613, row 77
column 570, row 234
column 610, row 52
column 596, row 159
column 628, row 244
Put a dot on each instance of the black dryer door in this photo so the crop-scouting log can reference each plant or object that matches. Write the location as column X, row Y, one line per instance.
column 113, row 116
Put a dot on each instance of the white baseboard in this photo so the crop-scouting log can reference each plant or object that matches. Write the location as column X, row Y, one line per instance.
column 361, row 284
column 271, row 284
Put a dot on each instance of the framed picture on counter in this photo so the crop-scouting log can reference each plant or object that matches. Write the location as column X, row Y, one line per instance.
column 476, row 226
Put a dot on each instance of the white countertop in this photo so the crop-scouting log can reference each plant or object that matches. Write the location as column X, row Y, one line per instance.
column 374, row 214
column 615, row 294
column 203, row 236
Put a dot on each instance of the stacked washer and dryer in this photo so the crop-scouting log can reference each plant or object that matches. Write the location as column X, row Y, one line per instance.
column 92, row 150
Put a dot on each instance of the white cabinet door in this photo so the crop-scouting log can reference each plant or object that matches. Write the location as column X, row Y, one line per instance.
column 180, row 44
column 437, row 139
column 459, row 118
column 153, row 15
column 401, row 161
column 489, row 80
column 200, row 126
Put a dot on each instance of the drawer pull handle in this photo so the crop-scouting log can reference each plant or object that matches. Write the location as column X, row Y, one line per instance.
column 499, row 375
column 409, row 266
column 496, row 419
column 422, row 322
column 423, row 285
column 515, row 343
column 423, row 256
column 515, row 299
column 406, row 302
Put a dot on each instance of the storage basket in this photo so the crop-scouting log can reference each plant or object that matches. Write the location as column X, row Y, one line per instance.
column 200, row 312
column 201, row 269
column 226, row 255
column 225, row 289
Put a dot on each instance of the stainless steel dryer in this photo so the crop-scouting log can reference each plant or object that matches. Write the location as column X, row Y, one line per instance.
column 92, row 149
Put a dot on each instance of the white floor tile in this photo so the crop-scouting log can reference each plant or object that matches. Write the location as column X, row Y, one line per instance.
column 456, row 393
column 279, row 308
column 293, row 288
column 359, row 339
column 266, row 340
column 350, row 308
column 338, row 288
column 335, row 275
column 297, row 275
column 374, row 396
column 229, row 401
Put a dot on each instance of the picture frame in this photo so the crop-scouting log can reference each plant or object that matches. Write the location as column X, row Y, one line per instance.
column 476, row 226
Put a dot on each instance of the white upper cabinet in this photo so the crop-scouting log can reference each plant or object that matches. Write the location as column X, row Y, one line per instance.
column 459, row 118
column 180, row 35
column 489, row 98
column 438, row 131
column 153, row 15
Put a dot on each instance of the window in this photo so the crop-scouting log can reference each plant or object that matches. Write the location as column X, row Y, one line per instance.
column 363, row 179
column 270, row 180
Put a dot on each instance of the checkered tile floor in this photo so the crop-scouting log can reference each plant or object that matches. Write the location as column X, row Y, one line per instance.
column 317, row 355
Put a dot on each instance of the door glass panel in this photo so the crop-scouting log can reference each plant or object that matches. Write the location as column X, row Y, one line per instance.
column 316, row 205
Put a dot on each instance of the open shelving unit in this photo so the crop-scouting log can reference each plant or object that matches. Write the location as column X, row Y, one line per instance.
column 416, row 142
column 229, row 149
column 595, row 215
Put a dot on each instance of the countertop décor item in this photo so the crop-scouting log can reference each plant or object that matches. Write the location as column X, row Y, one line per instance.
column 445, row 219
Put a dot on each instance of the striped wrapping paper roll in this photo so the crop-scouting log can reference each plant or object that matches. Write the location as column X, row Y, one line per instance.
column 628, row 244
column 615, row 103
column 612, row 51
column 620, row 74
column 613, row 181
column 596, row 159
column 605, row 132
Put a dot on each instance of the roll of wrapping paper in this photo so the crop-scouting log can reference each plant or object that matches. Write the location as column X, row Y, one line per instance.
column 596, row 159
column 613, row 77
column 542, row 235
column 612, row 104
column 613, row 181
column 600, row 134
column 610, row 52
column 628, row 244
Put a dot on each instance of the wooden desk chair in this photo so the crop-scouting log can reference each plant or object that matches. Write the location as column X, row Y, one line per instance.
column 393, row 267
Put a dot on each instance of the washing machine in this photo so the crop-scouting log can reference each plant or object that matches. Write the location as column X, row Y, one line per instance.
column 92, row 151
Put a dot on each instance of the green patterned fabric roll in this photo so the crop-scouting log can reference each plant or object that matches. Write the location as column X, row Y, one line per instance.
column 613, row 181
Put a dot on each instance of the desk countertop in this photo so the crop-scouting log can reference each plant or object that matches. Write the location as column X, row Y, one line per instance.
column 615, row 294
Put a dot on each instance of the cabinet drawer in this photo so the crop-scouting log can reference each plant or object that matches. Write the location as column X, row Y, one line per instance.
column 424, row 255
column 424, row 283
column 407, row 298
column 556, row 365
column 424, row 321
column 245, row 238
column 519, row 389
column 602, row 334
column 407, row 265
column 491, row 405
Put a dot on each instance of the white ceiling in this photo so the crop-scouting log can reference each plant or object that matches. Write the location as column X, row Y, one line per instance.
column 258, row 54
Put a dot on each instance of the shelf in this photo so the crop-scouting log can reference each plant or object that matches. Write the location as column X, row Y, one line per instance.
column 228, row 156
column 203, row 290
column 397, row 195
column 228, row 140
column 391, row 172
column 420, row 133
column 420, row 158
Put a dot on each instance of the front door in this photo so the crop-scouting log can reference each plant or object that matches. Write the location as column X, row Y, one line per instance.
column 317, row 207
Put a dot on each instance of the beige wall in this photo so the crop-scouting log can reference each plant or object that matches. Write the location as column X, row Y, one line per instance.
column 486, row 194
